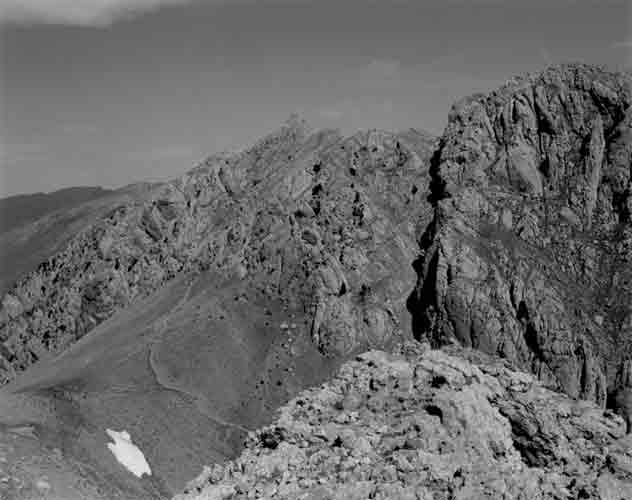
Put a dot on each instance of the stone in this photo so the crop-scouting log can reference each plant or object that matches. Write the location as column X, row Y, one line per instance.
column 528, row 289
column 480, row 430
column 12, row 306
column 507, row 219
column 286, row 216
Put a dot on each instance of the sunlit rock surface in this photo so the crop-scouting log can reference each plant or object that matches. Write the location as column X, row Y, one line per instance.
column 529, row 255
column 324, row 223
column 428, row 424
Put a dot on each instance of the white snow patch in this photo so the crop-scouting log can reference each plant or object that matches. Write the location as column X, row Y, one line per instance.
column 127, row 453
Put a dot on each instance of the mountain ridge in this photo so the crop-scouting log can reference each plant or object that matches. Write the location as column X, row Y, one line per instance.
column 187, row 312
column 32, row 304
column 295, row 255
column 528, row 255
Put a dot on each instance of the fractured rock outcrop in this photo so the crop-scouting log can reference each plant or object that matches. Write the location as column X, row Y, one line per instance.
column 529, row 255
column 326, row 224
column 427, row 424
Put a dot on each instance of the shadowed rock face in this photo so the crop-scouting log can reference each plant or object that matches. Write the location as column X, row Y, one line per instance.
column 427, row 424
column 325, row 224
column 529, row 255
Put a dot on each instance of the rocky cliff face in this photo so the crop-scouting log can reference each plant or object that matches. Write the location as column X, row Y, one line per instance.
column 429, row 424
column 326, row 224
column 529, row 255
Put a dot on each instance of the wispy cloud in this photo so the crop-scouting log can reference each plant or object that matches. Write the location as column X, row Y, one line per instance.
column 97, row 13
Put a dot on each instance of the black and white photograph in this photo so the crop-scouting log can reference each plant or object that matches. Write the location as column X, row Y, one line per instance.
column 315, row 250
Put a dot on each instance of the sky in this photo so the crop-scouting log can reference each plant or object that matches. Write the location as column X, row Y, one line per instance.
column 111, row 92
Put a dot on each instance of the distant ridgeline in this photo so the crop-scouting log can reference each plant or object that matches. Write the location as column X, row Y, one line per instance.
column 22, row 209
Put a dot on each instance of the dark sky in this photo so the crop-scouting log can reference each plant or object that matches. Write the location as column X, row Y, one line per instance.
column 129, row 90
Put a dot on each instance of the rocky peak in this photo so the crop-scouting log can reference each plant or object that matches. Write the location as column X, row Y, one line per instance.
column 529, row 255
column 538, row 132
column 298, row 124
column 325, row 224
column 424, row 424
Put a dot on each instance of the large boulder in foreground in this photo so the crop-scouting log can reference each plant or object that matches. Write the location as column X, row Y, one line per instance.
column 529, row 255
column 429, row 424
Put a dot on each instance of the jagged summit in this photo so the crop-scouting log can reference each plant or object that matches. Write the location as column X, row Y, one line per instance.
column 529, row 255
column 205, row 218
column 571, row 71
column 294, row 128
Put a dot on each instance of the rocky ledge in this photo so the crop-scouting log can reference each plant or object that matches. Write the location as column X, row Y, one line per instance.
column 429, row 424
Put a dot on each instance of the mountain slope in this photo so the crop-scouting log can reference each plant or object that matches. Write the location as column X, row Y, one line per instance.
column 327, row 224
column 20, row 209
column 186, row 372
column 425, row 425
column 529, row 255
column 35, row 227
column 187, row 316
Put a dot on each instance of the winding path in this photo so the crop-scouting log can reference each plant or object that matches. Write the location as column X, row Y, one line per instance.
column 161, row 326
